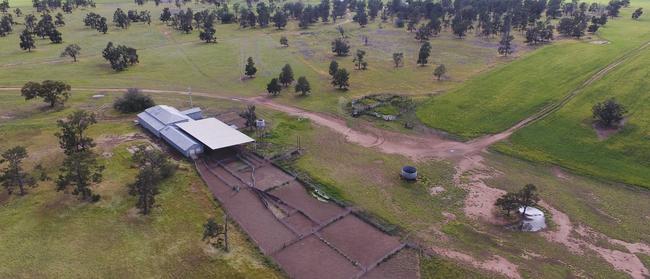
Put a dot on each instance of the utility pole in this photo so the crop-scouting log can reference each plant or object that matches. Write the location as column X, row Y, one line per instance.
column 189, row 92
column 225, row 224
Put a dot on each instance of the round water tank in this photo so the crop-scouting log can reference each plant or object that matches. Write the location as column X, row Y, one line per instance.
column 409, row 173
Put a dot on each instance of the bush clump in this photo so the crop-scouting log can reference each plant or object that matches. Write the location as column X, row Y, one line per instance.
column 133, row 101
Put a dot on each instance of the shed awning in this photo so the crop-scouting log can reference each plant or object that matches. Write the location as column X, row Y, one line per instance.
column 214, row 133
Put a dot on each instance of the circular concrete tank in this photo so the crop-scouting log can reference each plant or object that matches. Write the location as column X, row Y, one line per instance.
column 409, row 173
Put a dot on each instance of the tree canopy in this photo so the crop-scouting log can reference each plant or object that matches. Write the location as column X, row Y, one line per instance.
column 12, row 175
column 608, row 113
column 250, row 69
column 341, row 79
column 154, row 166
column 72, row 50
column 440, row 71
column 524, row 198
column 286, row 76
column 120, row 57
column 80, row 167
column 273, row 87
column 423, row 55
column 133, row 101
column 303, row 86
column 53, row 92
column 340, row 47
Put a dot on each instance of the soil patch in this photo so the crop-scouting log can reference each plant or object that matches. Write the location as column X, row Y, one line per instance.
column 360, row 241
column 496, row 264
column 434, row 191
column 627, row 262
column 307, row 238
column 559, row 173
column 297, row 197
column 401, row 265
column 604, row 133
column 311, row 258
column 110, row 141
column 479, row 204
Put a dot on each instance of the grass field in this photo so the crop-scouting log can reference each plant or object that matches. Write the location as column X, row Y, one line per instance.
column 49, row 234
column 567, row 137
column 217, row 68
column 498, row 99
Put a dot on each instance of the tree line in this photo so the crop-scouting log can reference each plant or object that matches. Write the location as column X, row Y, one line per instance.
column 81, row 168
column 425, row 18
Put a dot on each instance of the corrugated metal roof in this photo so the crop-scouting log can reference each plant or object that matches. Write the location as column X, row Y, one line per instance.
column 167, row 115
column 192, row 110
column 151, row 121
column 214, row 133
column 178, row 138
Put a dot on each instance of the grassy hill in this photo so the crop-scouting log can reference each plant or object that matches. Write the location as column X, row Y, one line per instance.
column 493, row 102
column 568, row 138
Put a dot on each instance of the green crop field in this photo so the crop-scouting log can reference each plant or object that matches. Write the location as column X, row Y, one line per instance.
column 567, row 137
column 495, row 101
column 49, row 234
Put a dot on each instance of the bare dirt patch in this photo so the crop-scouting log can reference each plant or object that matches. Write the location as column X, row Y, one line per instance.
column 479, row 204
column 559, row 173
column 401, row 265
column 308, row 238
column 627, row 262
column 297, row 197
column 436, row 190
column 495, row 264
column 311, row 258
column 604, row 133
column 360, row 241
column 110, row 141
column 268, row 177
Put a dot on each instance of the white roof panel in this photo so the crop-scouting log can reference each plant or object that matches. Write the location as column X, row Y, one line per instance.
column 214, row 133
column 192, row 110
column 167, row 115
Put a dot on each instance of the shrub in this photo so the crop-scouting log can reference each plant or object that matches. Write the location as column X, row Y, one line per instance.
column 133, row 101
